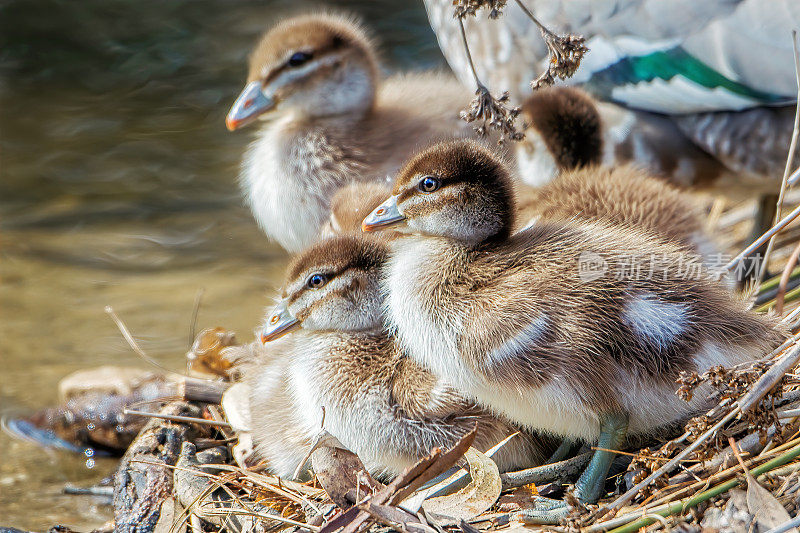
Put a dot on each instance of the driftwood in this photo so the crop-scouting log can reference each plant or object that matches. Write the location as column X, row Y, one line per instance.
column 92, row 413
column 144, row 477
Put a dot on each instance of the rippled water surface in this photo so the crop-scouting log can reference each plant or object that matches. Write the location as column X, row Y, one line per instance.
column 118, row 187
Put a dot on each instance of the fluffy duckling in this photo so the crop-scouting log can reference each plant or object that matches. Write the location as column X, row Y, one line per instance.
column 561, row 156
column 563, row 131
column 351, row 204
column 378, row 403
column 329, row 118
column 627, row 197
column 570, row 327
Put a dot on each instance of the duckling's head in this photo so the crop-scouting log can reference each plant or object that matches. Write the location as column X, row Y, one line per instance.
column 457, row 189
column 563, row 131
column 315, row 66
column 331, row 286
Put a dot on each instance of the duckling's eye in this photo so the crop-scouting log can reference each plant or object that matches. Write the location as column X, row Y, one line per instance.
column 298, row 58
column 315, row 281
column 428, row 184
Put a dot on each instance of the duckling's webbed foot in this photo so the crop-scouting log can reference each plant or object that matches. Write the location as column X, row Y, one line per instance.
column 613, row 428
column 544, row 511
column 561, row 452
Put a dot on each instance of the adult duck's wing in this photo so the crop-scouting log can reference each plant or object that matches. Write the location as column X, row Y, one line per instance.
column 680, row 56
column 754, row 143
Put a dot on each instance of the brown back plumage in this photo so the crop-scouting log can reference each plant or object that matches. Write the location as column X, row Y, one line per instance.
column 351, row 204
column 569, row 123
column 622, row 196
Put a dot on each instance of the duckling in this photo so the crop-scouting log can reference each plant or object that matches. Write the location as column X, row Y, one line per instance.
column 562, row 137
column 563, row 131
column 351, row 204
column 574, row 328
column 379, row 404
column 328, row 118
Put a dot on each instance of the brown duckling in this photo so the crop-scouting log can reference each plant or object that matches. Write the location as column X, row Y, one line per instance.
column 327, row 118
column 351, row 204
column 379, row 404
column 563, row 131
column 574, row 328
column 562, row 156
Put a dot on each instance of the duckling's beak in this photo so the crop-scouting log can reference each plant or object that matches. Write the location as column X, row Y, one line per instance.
column 250, row 104
column 279, row 324
column 385, row 215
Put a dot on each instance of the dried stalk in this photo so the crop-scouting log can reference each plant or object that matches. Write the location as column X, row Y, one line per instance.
column 764, row 238
column 198, row 298
column 787, row 271
column 177, row 418
column 493, row 112
column 683, row 505
column 132, row 342
column 789, row 157
column 566, row 53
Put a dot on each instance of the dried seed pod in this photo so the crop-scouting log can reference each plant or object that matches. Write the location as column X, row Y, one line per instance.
column 465, row 8
column 494, row 113
column 566, row 53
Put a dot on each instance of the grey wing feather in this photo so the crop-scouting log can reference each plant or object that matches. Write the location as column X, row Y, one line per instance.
column 752, row 142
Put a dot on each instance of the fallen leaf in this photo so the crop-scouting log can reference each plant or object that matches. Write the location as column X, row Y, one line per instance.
column 342, row 474
column 403, row 485
column 478, row 496
column 517, row 499
column 207, row 353
column 765, row 508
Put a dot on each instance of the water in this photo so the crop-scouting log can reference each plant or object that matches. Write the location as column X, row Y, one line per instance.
column 118, row 187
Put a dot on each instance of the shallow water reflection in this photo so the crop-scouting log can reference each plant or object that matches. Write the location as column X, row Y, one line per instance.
column 118, row 187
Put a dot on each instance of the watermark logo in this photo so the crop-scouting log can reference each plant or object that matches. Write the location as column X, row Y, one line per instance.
column 591, row 266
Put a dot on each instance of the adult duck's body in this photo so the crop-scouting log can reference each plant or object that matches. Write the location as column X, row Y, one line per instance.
column 701, row 92
column 329, row 118
column 379, row 404
column 574, row 328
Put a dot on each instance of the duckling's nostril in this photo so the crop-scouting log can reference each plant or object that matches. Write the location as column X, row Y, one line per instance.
column 274, row 319
column 248, row 103
column 380, row 211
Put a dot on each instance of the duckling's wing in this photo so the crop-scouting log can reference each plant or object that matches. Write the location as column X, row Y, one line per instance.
column 672, row 57
column 422, row 396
